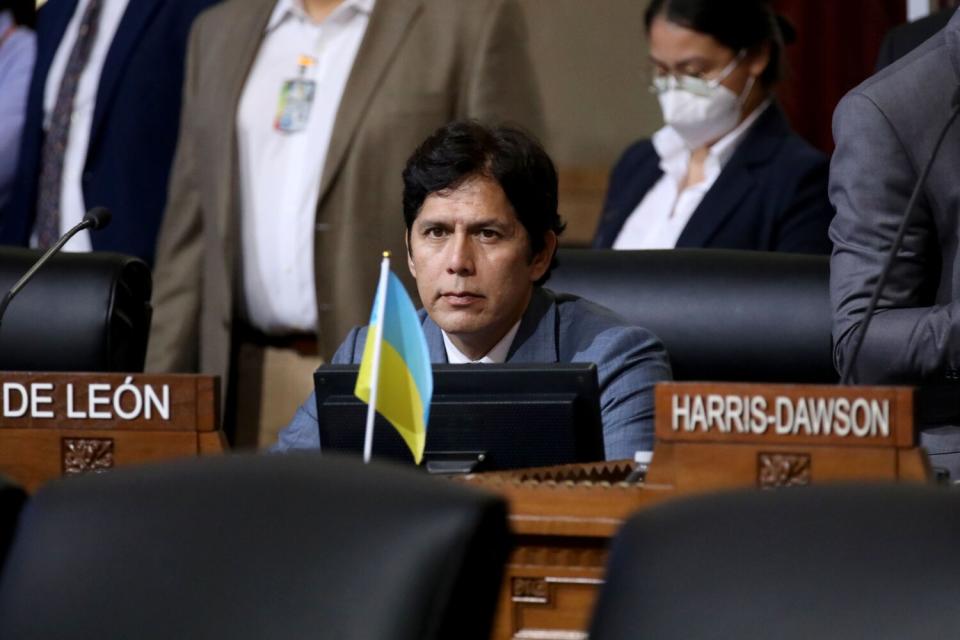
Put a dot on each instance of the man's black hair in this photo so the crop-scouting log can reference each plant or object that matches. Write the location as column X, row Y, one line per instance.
column 512, row 157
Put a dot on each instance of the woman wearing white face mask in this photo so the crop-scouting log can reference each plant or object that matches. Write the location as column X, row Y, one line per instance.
column 725, row 171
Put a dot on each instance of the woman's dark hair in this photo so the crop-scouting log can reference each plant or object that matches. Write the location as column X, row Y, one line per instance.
column 24, row 11
column 466, row 149
column 741, row 25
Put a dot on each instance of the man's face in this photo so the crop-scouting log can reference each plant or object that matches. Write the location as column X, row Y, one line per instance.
column 471, row 258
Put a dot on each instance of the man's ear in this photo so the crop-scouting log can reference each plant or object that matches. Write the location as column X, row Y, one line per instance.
column 541, row 261
column 410, row 265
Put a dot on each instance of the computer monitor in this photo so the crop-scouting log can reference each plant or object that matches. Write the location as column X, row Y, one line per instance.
column 483, row 417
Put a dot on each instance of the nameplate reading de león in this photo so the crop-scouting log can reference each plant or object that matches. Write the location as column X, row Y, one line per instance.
column 105, row 400
column 805, row 414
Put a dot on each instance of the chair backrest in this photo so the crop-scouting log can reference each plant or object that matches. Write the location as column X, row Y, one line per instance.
column 828, row 562
column 81, row 312
column 252, row 546
column 722, row 315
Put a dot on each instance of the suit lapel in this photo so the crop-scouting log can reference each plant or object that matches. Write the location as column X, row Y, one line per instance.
column 438, row 352
column 736, row 179
column 53, row 20
column 389, row 23
column 537, row 338
column 248, row 25
column 135, row 19
column 952, row 35
column 717, row 206
column 614, row 219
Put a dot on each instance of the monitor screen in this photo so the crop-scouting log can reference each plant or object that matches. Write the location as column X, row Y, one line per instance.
column 482, row 417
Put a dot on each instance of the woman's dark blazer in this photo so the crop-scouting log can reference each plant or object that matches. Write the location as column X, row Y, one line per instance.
column 770, row 196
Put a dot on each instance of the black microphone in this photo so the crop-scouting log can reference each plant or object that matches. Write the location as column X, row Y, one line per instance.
column 96, row 218
column 898, row 242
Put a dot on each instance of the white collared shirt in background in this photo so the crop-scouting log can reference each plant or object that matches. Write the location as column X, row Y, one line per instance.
column 665, row 210
column 280, row 172
column 72, row 206
column 497, row 355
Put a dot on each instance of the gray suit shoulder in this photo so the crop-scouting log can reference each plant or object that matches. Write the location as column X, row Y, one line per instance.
column 925, row 72
column 587, row 327
column 350, row 350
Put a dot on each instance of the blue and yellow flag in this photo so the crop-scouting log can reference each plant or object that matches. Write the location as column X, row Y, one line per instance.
column 405, row 377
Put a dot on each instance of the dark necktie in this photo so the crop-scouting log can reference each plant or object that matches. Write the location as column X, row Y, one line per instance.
column 47, row 225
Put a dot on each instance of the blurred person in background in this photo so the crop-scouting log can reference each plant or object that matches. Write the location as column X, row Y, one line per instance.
column 725, row 171
column 18, row 50
column 904, row 38
column 101, row 124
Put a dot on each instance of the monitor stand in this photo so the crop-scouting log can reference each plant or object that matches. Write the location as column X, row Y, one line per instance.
column 445, row 463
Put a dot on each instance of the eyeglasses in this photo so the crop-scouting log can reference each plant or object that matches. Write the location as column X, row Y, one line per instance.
column 666, row 81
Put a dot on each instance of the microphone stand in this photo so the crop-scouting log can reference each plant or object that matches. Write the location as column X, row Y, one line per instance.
column 86, row 223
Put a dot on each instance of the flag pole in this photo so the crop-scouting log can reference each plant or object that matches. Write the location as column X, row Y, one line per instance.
column 377, row 345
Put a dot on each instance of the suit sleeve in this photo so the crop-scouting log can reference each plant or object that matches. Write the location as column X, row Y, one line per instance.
column 303, row 432
column 175, row 331
column 501, row 85
column 630, row 361
column 872, row 176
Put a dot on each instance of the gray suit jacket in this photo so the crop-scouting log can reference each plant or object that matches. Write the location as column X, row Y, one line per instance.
column 554, row 328
column 885, row 130
column 421, row 64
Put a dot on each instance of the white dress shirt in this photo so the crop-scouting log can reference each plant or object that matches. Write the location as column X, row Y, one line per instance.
column 280, row 171
column 665, row 210
column 496, row 355
column 72, row 206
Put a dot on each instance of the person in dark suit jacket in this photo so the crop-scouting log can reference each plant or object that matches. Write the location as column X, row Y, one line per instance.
column 903, row 39
column 134, row 123
column 726, row 171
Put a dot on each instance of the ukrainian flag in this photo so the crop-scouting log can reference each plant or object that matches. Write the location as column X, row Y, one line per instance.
column 405, row 377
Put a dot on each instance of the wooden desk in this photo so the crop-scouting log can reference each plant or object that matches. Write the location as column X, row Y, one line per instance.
column 564, row 517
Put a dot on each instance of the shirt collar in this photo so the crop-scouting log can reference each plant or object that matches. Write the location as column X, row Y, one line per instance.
column 294, row 8
column 723, row 148
column 674, row 155
column 6, row 21
column 496, row 355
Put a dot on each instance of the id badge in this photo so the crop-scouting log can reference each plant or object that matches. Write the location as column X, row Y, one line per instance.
column 293, row 108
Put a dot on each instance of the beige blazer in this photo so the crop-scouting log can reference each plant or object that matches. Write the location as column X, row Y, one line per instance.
column 422, row 63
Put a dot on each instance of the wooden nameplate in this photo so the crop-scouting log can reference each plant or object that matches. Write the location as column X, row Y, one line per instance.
column 712, row 436
column 54, row 424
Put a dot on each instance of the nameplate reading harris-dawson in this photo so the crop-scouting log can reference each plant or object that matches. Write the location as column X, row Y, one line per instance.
column 784, row 414
column 106, row 400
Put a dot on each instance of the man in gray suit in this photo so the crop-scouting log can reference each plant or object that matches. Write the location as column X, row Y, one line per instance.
column 480, row 207
column 885, row 131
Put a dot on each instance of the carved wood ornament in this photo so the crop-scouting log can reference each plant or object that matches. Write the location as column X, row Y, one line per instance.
column 87, row 455
column 783, row 470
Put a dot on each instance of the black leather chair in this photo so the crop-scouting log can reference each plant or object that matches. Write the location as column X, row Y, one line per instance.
column 81, row 312
column 723, row 315
column 829, row 562
column 255, row 547
column 12, row 498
